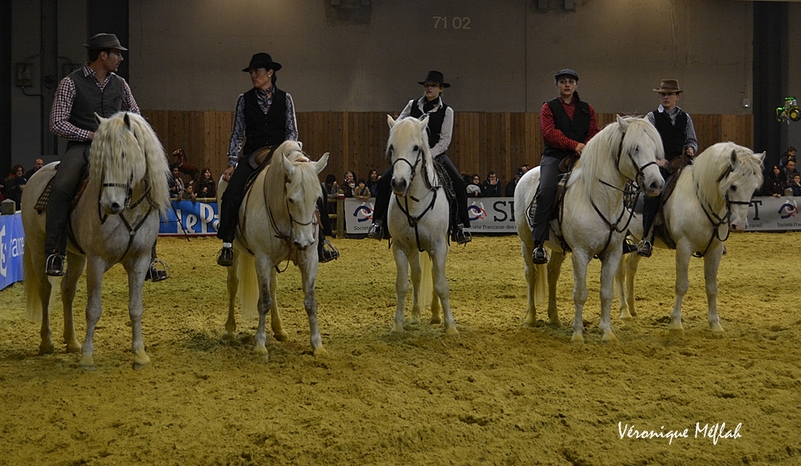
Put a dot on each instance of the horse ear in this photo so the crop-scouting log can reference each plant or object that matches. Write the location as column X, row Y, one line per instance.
column 127, row 120
column 733, row 157
column 99, row 119
column 624, row 123
column 320, row 164
column 390, row 122
column 761, row 157
column 424, row 123
column 288, row 168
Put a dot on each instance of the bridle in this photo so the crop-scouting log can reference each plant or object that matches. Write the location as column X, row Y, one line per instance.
column 411, row 219
column 714, row 219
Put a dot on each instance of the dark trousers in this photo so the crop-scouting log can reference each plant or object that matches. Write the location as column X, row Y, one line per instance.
column 232, row 200
column 650, row 208
column 546, row 193
column 384, row 191
column 65, row 185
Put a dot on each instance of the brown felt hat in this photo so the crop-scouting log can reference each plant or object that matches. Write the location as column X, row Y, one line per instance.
column 669, row 85
column 104, row 41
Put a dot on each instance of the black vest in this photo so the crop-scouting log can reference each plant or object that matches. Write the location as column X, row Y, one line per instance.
column 90, row 99
column 264, row 129
column 576, row 129
column 673, row 136
column 435, row 120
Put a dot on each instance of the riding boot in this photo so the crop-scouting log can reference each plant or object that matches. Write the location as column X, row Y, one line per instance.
column 628, row 244
column 158, row 270
column 229, row 210
column 383, row 193
column 64, row 186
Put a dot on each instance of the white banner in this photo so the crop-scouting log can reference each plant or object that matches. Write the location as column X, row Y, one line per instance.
column 774, row 214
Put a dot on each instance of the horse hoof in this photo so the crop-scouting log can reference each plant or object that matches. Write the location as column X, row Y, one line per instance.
column 609, row 338
column 717, row 329
column 414, row 320
column 676, row 328
column 281, row 336
column 435, row 320
column 451, row 331
column 320, row 352
column 626, row 316
column 555, row 323
column 260, row 349
column 577, row 338
column 87, row 362
column 141, row 360
column 74, row 347
column 396, row 330
column 229, row 336
column 46, row 348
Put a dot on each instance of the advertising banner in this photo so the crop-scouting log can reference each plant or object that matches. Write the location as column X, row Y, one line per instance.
column 196, row 218
column 12, row 244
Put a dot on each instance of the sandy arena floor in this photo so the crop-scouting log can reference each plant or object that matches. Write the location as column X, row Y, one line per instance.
column 497, row 394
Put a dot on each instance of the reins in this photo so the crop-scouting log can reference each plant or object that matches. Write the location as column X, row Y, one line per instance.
column 718, row 220
column 415, row 220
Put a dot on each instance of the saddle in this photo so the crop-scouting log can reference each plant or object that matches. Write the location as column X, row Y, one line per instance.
column 450, row 193
column 41, row 203
column 556, row 208
column 660, row 227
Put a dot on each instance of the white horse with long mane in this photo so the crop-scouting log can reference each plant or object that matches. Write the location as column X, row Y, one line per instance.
column 116, row 220
column 593, row 220
column 711, row 199
column 278, row 222
column 418, row 221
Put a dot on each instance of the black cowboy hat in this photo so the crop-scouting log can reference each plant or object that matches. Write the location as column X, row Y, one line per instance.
column 435, row 77
column 262, row 60
column 566, row 72
column 104, row 41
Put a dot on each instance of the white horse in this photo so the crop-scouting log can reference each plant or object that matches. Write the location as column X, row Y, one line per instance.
column 593, row 219
column 278, row 222
column 711, row 198
column 116, row 220
column 418, row 221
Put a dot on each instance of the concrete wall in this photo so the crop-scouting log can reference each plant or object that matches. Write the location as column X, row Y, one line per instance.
column 499, row 55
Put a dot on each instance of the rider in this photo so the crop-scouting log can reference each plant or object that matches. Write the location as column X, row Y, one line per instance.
column 264, row 118
column 567, row 123
column 93, row 89
column 676, row 128
column 440, row 129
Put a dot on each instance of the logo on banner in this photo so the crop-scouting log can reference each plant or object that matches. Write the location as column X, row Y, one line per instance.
column 363, row 213
column 476, row 212
column 788, row 209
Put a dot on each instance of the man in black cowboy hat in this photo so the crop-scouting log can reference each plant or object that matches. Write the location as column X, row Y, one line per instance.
column 264, row 117
column 567, row 124
column 440, row 129
column 94, row 88
column 676, row 128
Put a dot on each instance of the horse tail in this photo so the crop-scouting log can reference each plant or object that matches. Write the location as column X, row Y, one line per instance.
column 248, row 290
column 426, row 295
column 541, row 286
column 33, row 299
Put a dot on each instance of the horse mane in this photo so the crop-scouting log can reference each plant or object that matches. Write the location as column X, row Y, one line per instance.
column 305, row 173
column 407, row 129
column 711, row 164
column 116, row 151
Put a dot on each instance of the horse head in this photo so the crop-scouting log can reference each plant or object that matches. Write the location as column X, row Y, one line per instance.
column 407, row 150
column 302, row 188
column 640, row 148
column 741, row 177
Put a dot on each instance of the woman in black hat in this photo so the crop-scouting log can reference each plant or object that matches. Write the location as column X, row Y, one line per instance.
column 440, row 130
column 264, row 117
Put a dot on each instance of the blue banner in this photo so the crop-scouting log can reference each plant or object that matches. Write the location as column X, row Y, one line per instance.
column 196, row 218
column 12, row 244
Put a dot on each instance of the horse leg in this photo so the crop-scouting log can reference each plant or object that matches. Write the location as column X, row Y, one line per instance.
column 609, row 265
column 45, row 288
column 580, row 261
column 683, row 252
column 265, row 294
column 628, row 270
column 620, row 288
column 416, row 272
column 401, row 287
column 435, row 308
column 233, row 285
column 136, row 280
column 275, row 317
column 69, row 285
column 443, row 291
column 530, row 270
column 94, row 308
column 711, row 264
column 309, row 275
column 554, row 270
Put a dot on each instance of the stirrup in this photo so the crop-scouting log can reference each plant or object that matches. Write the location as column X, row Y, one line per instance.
column 54, row 265
column 539, row 256
column 157, row 271
column 460, row 235
column 628, row 245
column 328, row 252
column 376, row 231
column 645, row 248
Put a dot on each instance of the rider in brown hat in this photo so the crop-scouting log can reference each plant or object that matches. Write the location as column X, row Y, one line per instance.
column 676, row 128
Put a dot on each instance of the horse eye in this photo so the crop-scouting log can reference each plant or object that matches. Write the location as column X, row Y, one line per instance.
column 291, row 200
column 733, row 188
column 416, row 148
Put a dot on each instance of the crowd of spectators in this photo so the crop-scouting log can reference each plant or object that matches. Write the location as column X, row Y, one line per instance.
column 782, row 179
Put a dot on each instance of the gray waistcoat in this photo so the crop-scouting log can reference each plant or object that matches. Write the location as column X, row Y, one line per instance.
column 89, row 99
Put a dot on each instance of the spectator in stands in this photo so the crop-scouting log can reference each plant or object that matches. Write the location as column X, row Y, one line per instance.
column 14, row 184
column 510, row 186
column 795, row 187
column 372, row 182
column 789, row 155
column 206, row 186
column 348, row 184
column 175, row 183
column 491, row 186
column 37, row 164
column 189, row 194
column 474, row 187
column 789, row 172
column 774, row 184
column 361, row 191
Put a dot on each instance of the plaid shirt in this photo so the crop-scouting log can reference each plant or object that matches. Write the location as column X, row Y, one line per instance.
column 265, row 99
column 65, row 96
column 555, row 137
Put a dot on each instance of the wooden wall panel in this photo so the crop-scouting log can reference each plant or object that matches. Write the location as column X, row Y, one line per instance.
column 357, row 140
